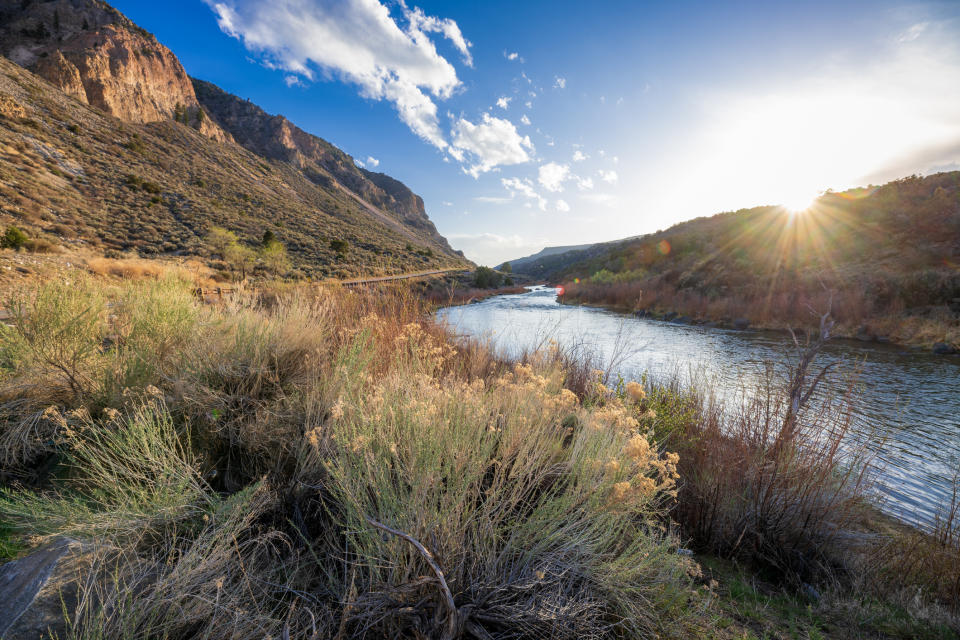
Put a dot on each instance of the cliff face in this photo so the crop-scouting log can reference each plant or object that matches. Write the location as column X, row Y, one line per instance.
column 93, row 53
column 277, row 138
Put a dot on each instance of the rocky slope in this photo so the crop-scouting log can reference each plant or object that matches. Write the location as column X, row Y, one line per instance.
column 277, row 138
column 199, row 155
column 90, row 51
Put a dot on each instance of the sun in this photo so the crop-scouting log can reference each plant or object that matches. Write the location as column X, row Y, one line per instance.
column 800, row 202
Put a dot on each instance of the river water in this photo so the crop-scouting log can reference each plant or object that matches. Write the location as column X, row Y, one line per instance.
column 910, row 400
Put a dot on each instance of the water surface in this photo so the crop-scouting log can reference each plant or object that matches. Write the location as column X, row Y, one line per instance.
column 911, row 397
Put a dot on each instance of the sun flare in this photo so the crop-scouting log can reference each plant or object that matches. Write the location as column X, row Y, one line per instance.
column 799, row 203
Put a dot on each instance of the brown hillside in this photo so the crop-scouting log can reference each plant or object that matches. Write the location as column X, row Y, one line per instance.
column 74, row 175
column 889, row 257
column 150, row 168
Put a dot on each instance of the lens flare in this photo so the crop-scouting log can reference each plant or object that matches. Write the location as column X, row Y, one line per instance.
column 663, row 247
column 800, row 202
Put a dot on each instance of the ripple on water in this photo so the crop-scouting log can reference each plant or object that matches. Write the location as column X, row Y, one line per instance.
column 912, row 398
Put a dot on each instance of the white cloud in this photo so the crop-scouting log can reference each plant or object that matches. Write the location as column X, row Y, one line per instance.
column 525, row 120
column 914, row 32
column 491, row 143
column 360, row 163
column 444, row 26
column 373, row 162
column 293, row 81
column 560, row 83
column 359, row 41
column 513, row 55
column 609, row 177
column 524, row 187
column 584, row 184
column 528, row 104
column 579, row 156
column 446, row 203
column 562, row 206
column 503, row 102
column 552, row 176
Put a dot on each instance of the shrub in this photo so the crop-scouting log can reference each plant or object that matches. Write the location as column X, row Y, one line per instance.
column 487, row 278
column 13, row 238
column 413, row 486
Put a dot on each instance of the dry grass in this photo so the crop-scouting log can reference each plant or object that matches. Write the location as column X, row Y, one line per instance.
column 233, row 459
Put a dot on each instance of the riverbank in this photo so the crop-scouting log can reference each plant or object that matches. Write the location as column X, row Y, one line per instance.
column 938, row 332
column 333, row 462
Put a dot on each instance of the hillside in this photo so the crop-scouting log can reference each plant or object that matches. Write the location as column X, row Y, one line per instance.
column 105, row 145
column 525, row 263
column 889, row 256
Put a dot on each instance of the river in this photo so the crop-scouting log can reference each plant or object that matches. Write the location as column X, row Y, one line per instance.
column 912, row 398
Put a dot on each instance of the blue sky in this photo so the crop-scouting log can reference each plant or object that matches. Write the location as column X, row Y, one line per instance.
column 526, row 124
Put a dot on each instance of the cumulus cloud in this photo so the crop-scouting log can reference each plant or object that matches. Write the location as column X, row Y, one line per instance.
column 552, row 176
column 525, row 120
column 584, row 184
column 560, row 83
column 579, row 156
column 503, row 102
column 359, row 41
column 610, row 177
column 524, row 187
column 562, row 206
column 488, row 144
column 373, row 162
column 513, row 55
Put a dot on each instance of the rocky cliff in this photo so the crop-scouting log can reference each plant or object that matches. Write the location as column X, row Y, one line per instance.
column 95, row 54
column 277, row 138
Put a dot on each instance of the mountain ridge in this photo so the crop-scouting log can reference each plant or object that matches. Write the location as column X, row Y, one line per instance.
column 98, row 57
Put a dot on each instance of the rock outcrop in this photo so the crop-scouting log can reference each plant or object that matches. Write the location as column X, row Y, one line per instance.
column 35, row 589
column 277, row 138
column 95, row 54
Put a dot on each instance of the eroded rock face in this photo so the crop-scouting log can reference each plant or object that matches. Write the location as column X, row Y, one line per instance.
column 92, row 52
column 277, row 138
column 35, row 589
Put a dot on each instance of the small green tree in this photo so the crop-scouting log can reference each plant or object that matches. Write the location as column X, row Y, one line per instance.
column 226, row 244
column 506, row 268
column 486, row 278
column 274, row 257
column 13, row 238
column 268, row 238
column 340, row 246
column 220, row 239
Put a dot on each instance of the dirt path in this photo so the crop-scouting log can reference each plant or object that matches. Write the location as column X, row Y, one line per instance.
column 402, row 276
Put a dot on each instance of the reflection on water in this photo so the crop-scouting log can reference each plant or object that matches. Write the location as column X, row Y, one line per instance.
column 914, row 398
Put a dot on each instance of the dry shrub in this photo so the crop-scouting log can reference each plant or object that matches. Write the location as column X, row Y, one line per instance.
column 776, row 479
column 128, row 268
column 288, row 436
column 911, row 562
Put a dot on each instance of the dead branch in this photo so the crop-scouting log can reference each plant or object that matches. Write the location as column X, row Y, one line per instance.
column 453, row 622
